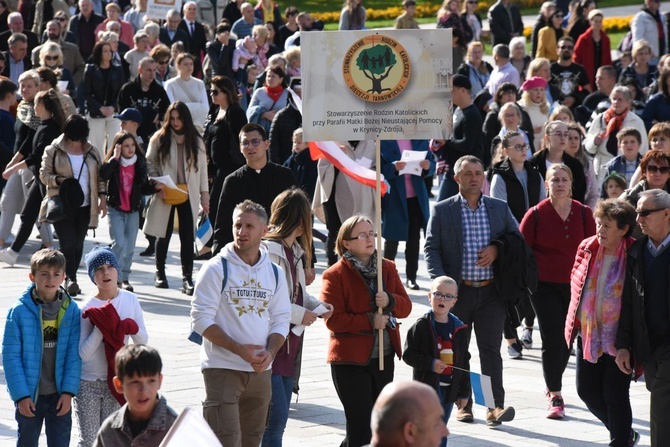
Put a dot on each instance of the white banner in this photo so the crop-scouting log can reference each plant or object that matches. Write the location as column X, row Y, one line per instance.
column 157, row 9
column 383, row 84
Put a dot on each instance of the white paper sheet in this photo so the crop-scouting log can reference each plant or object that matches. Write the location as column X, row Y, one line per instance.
column 190, row 428
column 62, row 86
column 299, row 329
column 412, row 160
column 167, row 181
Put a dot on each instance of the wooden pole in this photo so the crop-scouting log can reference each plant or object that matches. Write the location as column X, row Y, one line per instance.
column 378, row 225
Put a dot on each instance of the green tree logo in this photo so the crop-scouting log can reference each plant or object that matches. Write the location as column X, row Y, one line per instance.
column 376, row 63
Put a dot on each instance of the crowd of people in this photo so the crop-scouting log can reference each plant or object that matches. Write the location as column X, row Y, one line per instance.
column 562, row 155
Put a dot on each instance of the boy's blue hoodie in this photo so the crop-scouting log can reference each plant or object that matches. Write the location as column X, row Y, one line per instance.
column 23, row 342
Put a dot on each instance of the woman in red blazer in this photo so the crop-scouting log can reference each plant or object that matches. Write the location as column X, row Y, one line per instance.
column 350, row 286
column 592, row 49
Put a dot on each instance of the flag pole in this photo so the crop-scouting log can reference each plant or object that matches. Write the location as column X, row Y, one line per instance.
column 378, row 224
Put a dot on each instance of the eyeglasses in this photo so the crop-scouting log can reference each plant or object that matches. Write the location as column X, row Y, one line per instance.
column 214, row 92
column 253, row 143
column 519, row 147
column 363, row 236
column 51, row 58
column 61, row 19
column 558, row 16
column 645, row 213
column 656, row 169
column 566, row 47
column 162, row 62
column 443, row 296
column 560, row 135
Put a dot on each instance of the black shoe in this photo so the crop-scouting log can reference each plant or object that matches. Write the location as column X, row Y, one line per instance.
column 161, row 281
column 187, row 286
column 149, row 251
column 411, row 284
column 203, row 256
column 127, row 286
column 72, row 288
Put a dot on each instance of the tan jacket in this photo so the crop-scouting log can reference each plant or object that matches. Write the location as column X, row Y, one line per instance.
column 159, row 211
column 58, row 5
column 56, row 166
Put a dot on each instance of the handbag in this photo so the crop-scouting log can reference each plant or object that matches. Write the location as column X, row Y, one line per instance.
column 175, row 196
column 70, row 197
column 55, row 210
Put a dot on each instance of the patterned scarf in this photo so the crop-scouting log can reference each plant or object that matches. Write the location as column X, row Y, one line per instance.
column 613, row 121
column 368, row 272
column 25, row 113
column 599, row 335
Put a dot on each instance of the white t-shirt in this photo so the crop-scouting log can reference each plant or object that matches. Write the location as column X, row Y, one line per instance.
column 77, row 162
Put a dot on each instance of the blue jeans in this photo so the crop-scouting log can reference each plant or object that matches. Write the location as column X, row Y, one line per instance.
column 447, row 413
column 123, row 228
column 58, row 428
column 282, row 388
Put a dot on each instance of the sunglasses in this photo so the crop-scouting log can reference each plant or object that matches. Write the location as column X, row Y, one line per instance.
column 61, row 19
column 214, row 92
column 655, row 169
column 645, row 213
column 566, row 48
column 51, row 58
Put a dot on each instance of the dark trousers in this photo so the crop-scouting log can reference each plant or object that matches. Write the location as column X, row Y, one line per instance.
column 58, row 428
column 358, row 388
column 333, row 224
column 657, row 376
column 186, row 236
column 29, row 215
column 214, row 197
column 480, row 307
column 413, row 243
column 604, row 389
column 71, row 234
column 522, row 310
column 551, row 301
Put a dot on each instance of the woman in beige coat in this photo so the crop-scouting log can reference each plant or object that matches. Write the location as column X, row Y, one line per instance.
column 178, row 151
column 72, row 156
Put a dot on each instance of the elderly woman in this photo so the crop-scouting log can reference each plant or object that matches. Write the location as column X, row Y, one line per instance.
column 592, row 49
column 553, row 230
column 476, row 68
column 356, row 326
column 601, row 139
column 547, row 39
column 71, row 156
column 189, row 90
column 51, row 56
column 518, row 57
column 267, row 101
column 641, row 71
column 593, row 318
column 177, row 150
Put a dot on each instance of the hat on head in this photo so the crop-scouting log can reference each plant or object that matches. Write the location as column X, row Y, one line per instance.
column 534, row 82
column 99, row 257
column 461, row 81
column 130, row 114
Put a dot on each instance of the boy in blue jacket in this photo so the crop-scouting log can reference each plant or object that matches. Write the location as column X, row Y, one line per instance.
column 40, row 353
column 436, row 343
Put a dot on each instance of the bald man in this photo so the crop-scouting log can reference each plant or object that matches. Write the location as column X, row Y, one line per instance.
column 408, row 414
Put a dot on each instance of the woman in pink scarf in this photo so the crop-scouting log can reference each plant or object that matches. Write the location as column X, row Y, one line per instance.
column 596, row 287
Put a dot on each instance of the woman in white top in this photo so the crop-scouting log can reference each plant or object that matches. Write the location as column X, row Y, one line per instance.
column 189, row 90
column 95, row 400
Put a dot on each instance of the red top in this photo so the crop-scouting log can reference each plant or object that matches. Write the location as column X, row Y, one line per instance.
column 555, row 241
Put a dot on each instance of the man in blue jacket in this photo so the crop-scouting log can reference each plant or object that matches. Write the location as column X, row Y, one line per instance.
column 40, row 353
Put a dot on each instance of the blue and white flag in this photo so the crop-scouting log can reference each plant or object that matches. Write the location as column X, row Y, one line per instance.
column 204, row 232
column 482, row 390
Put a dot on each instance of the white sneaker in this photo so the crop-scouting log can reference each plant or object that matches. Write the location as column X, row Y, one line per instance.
column 9, row 256
column 527, row 338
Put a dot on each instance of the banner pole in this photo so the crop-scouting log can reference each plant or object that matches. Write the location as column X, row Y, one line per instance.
column 378, row 224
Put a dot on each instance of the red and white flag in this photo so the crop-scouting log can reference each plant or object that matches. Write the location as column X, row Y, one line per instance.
column 332, row 152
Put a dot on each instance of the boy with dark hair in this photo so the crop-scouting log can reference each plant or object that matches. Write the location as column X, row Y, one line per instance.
column 626, row 163
column 40, row 353
column 146, row 417
column 406, row 20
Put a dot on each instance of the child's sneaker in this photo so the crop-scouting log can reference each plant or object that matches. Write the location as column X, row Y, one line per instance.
column 527, row 338
column 556, row 408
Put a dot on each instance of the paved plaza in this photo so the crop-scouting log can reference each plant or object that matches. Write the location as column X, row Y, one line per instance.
column 316, row 419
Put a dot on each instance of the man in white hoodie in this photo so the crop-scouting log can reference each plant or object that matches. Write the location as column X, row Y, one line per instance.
column 241, row 307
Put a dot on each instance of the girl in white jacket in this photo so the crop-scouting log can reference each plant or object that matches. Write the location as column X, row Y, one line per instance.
column 289, row 244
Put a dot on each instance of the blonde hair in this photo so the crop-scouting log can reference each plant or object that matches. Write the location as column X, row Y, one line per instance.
column 437, row 282
column 638, row 46
column 526, row 101
column 535, row 65
column 292, row 54
column 551, row 170
column 561, row 109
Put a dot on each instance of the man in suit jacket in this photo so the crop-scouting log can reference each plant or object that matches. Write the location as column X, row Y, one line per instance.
column 16, row 59
column 505, row 22
column 170, row 33
column 15, row 23
column 83, row 27
column 197, row 37
column 459, row 244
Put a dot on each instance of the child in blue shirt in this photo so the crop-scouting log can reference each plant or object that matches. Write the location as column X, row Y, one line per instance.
column 40, row 353
column 437, row 342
